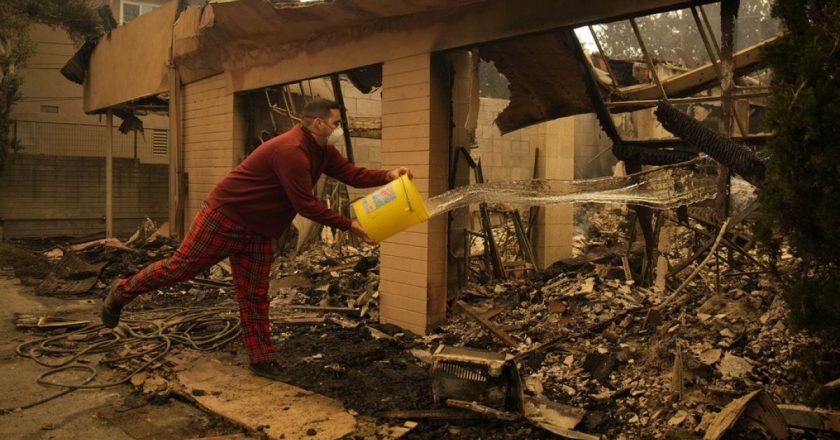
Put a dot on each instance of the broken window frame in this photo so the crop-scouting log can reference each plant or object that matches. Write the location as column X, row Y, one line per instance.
column 607, row 105
column 288, row 109
column 142, row 8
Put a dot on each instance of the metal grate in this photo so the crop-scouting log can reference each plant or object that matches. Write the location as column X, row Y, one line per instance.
column 475, row 373
column 88, row 140
column 160, row 142
column 68, row 139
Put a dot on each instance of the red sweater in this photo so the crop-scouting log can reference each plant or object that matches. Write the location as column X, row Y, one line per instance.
column 274, row 183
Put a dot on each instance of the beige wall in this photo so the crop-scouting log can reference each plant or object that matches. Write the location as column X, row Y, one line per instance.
column 213, row 139
column 366, row 151
column 61, row 196
column 89, row 140
column 555, row 223
column 593, row 149
column 503, row 157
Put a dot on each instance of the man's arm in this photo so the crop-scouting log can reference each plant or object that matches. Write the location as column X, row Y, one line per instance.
column 292, row 168
column 340, row 168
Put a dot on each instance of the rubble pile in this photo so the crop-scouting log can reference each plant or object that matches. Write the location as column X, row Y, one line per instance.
column 99, row 262
column 583, row 335
column 620, row 361
column 329, row 275
column 640, row 366
column 600, row 226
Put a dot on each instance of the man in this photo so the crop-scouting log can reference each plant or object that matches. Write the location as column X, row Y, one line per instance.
column 253, row 204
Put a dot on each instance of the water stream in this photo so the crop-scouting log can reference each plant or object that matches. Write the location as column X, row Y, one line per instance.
column 662, row 188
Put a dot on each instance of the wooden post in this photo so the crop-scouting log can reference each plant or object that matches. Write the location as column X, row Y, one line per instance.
column 728, row 16
column 176, row 194
column 109, row 177
column 345, row 125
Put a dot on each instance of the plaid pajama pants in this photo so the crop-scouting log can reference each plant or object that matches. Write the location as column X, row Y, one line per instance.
column 212, row 238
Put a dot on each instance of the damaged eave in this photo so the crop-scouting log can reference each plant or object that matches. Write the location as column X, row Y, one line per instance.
column 547, row 73
column 132, row 62
column 235, row 34
column 250, row 39
column 546, row 80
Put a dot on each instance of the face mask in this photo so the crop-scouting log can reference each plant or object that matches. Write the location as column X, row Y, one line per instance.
column 336, row 136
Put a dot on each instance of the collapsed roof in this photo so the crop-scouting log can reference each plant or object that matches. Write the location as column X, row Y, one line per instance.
column 239, row 37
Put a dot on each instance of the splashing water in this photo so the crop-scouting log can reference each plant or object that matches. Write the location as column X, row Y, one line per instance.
column 663, row 188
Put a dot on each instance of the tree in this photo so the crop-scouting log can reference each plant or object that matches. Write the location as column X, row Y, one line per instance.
column 76, row 17
column 801, row 198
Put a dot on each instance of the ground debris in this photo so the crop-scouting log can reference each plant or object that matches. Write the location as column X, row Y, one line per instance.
column 581, row 334
column 235, row 399
column 753, row 412
column 72, row 275
column 594, row 339
column 24, row 320
column 483, row 410
column 803, row 417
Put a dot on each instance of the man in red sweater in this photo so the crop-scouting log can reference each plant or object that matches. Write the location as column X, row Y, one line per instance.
column 253, row 204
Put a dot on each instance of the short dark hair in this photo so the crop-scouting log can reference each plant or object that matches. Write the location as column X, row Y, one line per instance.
column 319, row 108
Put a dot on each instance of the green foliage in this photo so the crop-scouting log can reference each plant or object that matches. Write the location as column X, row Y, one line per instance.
column 9, row 93
column 801, row 197
column 815, row 303
column 76, row 17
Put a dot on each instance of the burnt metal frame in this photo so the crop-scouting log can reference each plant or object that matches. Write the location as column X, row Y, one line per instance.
column 601, row 104
column 526, row 251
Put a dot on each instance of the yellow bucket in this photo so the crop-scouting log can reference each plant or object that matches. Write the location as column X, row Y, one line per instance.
column 391, row 209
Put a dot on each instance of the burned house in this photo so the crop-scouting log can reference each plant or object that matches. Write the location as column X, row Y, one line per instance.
column 658, row 333
column 209, row 65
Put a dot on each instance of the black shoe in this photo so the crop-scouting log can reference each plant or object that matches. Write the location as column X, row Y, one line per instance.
column 111, row 309
column 268, row 369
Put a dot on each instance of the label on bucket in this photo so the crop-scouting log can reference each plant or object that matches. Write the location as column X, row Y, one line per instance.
column 378, row 198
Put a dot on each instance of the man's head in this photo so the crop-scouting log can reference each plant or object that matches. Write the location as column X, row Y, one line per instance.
column 321, row 117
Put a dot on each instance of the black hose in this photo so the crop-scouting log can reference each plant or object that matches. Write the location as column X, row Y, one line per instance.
column 183, row 327
column 60, row 393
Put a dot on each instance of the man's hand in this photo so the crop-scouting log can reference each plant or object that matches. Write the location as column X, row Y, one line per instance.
column 357, row 229
column 397, row 172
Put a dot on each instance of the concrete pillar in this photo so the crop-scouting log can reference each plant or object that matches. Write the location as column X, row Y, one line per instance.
column 415, row 133
column 555, row 223
column 210, row 140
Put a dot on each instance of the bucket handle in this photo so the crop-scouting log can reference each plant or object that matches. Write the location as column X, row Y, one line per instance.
column 407, row 198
